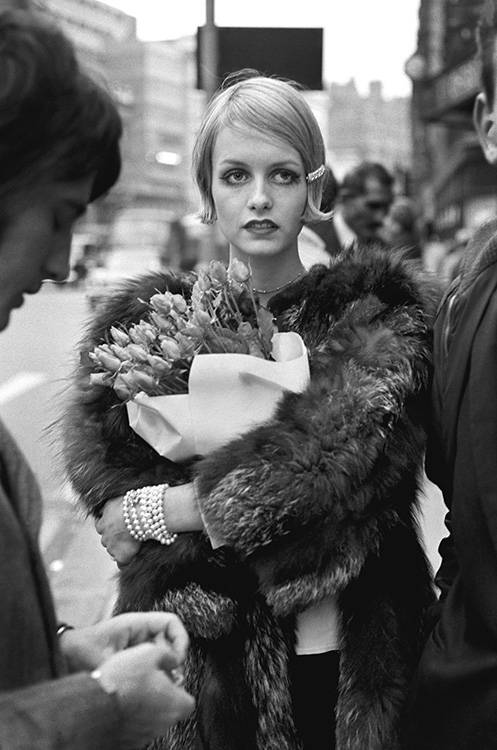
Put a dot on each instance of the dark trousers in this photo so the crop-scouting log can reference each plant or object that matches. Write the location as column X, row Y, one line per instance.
column 314, row 686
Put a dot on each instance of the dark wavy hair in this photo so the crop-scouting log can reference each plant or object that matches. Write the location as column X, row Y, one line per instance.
column 56, row 123
column 354, row 182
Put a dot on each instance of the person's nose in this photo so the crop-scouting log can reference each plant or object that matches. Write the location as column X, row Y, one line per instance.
column 260, row 198
column 57, row 265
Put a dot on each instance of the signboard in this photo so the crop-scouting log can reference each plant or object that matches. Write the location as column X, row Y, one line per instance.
column 293, row 53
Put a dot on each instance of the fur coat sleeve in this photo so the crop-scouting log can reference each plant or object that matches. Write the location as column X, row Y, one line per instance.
column 318, row 487
column 103, row 456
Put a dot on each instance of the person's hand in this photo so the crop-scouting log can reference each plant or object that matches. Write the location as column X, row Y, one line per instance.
column 86, row 648
column 149, row 700
column 115, row 537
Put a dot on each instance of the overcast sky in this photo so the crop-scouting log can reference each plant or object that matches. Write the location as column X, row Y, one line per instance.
column 363, row 39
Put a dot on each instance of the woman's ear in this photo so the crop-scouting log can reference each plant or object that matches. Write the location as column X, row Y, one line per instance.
column 484, row 118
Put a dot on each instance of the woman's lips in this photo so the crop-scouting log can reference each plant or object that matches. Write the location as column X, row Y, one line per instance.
column 260, row 227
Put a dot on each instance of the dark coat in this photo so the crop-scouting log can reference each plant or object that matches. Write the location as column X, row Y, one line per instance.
column 326, row 230
column 454, row 705
column 40, row 708
column 321, row 500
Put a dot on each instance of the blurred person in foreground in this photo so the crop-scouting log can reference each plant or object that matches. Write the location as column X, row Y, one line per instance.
column 454, row 703
column 110, row 685
column 291, row 552
column 364, row 197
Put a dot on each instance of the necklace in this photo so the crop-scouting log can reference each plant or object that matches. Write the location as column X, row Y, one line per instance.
column 279, row 288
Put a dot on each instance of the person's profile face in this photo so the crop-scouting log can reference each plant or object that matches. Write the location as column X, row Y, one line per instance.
column 35, row 240
column 259, row 191
column 366, row 213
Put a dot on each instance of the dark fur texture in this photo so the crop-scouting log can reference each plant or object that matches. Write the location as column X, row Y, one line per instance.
column 321, row 500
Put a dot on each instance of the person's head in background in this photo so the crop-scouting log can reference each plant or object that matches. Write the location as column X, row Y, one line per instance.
column 485, row 109
column 401, row 228
column 364, row 199
column 258, row 162
column 59, row 150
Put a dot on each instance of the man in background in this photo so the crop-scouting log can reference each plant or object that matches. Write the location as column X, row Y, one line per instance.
column 454, row 698
column 363, row 201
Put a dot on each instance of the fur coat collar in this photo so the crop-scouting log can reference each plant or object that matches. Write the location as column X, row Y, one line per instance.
column 321, row 500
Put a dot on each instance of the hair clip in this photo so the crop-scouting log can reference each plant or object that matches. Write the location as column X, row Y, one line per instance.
column 319, row 172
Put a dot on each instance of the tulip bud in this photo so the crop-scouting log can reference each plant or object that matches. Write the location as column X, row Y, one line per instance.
column 238, row 271
column 120, row 352
column 137, row 352
column 120, row 337
column 161, row 303
column 137, row 336
column 162, row 323
column 179, row 303
column 203, row 282
column 124, row 387
column 143, row 380
column 109, row 361
column 170, row 349
column 217, row 271
column 159, row 365
column 100, row 378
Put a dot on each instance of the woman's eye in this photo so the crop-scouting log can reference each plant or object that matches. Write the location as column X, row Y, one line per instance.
column 235, row 177
column 285, row 177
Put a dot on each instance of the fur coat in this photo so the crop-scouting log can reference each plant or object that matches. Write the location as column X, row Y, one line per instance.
column 321, row 500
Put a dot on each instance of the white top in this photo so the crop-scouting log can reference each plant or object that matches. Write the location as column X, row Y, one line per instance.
column 318, row 628
column 312, row 249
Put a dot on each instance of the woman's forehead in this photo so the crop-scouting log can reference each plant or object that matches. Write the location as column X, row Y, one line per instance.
column 248, row 144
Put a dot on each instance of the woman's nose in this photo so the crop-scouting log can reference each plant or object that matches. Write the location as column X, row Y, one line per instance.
column 260, row 198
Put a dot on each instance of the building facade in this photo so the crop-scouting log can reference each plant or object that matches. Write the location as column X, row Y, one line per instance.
column 367, row 127
column 455, row 185
column 152, row 83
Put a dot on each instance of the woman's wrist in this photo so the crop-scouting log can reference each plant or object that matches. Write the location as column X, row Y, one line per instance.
column 144, row 514
column 160, row 512
column 181, row 509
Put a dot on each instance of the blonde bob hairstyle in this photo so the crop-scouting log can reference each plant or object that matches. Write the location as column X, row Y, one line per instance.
column 276, row 109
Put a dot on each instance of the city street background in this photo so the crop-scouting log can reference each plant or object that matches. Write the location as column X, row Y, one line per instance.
column 37, row 353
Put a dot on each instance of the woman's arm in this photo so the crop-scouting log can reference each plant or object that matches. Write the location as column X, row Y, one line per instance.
column 329, row 451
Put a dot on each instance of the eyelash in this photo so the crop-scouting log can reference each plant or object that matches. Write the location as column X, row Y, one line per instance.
column 292, row 177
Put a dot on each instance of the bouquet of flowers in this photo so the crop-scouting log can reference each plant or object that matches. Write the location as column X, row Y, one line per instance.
column 196, row 372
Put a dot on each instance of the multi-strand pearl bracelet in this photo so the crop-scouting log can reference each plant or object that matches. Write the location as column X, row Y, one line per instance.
column 143, row 513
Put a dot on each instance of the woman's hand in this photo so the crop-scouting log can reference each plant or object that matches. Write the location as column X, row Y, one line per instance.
column 115, row 537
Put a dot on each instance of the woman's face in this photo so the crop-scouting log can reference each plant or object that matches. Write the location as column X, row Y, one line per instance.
column 260, row 193
column 35, row 240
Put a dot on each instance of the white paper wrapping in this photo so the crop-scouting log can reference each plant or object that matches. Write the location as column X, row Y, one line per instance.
column 228, row 394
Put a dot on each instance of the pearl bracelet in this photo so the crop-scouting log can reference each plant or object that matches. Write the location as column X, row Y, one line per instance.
column 143, row 513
